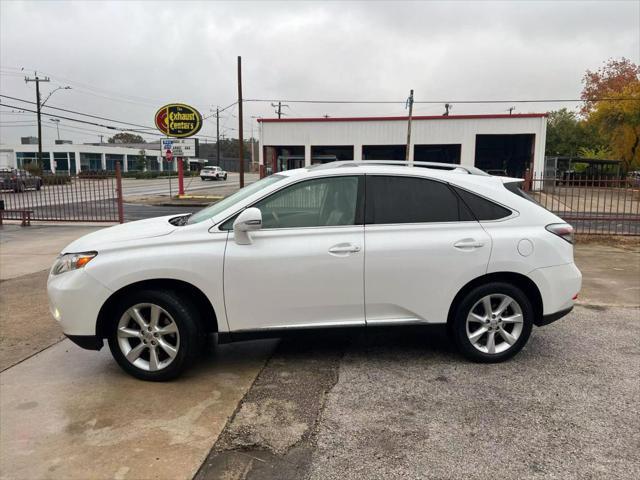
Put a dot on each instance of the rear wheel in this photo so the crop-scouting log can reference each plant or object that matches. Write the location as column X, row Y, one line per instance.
column 493, row 322
column 155, row 335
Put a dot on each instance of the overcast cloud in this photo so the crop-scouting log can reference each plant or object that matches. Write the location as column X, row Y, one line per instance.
column 125, row 59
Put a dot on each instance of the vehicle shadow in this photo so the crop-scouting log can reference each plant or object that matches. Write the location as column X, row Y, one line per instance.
column 425, row 341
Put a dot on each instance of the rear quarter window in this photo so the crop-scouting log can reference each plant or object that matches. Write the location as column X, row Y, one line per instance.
column 482, row 208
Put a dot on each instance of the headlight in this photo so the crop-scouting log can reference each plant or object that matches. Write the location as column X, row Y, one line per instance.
column 71, row 261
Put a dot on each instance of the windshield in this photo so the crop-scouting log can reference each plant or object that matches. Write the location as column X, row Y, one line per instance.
column 222, row 205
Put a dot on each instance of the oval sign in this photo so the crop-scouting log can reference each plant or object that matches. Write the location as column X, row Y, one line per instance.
column 178, row 120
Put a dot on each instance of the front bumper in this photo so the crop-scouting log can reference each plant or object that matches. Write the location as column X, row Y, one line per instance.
column 75, row 299
column 88, row 342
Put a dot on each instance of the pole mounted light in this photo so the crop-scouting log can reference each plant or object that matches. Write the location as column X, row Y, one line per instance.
column 57, row 122
column 54, row 91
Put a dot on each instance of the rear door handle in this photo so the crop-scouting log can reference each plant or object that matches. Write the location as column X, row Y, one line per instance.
column 468, row 244
column 344, row 248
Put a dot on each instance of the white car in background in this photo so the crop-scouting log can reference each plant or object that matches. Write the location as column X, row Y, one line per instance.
column 344, row 244
column 212, row 173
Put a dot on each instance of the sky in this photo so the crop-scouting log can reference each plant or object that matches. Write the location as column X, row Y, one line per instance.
column 124, row 60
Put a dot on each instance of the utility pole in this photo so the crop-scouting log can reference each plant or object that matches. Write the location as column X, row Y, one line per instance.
column 38, row 80
column 240, row 139
column 279, row 108
column 410, row 106
column 218, row 135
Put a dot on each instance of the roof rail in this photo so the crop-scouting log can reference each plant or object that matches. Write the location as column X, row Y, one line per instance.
column 403, row 163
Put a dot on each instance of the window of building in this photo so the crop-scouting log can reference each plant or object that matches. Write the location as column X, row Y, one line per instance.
column 443, row 153
column 280, row 158
column 25, row 158
column 482, row 208
column 326, row 154
column 395, row 199
column 329, row 201
column 91, row 161
column 168, row 166
column 111, row 160
column 384, row 152
column 62, row 162
column 508, row 155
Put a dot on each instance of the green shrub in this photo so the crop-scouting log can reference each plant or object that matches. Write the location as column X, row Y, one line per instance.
column 33, row 169
column 56, row 179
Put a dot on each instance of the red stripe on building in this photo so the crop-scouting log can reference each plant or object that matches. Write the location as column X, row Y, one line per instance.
column 384, row 119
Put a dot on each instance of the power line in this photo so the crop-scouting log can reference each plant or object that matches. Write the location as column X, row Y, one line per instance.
column 402, row 102
column 79, row 113
column 109, row 127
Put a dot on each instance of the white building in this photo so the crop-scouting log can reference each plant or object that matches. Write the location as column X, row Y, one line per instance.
column 74, row 158
column 511, row 143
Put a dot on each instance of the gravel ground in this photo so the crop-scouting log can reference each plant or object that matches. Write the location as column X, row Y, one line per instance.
column 568, row 406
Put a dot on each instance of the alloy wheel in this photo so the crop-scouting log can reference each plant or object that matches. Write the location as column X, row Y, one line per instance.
column 494, row 323
column 148, row 337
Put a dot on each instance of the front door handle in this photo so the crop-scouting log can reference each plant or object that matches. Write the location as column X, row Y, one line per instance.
column 468, row 244
column 344, row 248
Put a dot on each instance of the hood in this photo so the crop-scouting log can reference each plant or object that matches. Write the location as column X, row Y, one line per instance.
column 148, row 228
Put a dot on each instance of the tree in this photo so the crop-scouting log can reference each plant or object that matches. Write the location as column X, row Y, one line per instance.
column 141, row 161
column 126, row 137
column 607, row 82
column 567, row 134
column 620, row 122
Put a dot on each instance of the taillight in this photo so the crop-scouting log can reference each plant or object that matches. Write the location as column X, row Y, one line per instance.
column 563, row 230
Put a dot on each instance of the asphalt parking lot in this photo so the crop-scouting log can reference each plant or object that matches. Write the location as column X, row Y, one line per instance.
column 385, row 404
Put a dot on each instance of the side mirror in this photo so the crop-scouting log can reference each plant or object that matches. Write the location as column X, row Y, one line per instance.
column 250, row 219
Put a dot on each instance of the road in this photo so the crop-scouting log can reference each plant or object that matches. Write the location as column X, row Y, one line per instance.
column 88, row 190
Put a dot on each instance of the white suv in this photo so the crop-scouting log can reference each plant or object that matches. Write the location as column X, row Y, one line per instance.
column 346, row 244
column 212, row 173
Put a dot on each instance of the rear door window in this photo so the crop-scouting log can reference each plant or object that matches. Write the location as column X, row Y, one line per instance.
column 398, row 199
column 482, row 208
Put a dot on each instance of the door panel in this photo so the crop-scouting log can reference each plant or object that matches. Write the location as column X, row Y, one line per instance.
column 413, row 271
column 296, row 278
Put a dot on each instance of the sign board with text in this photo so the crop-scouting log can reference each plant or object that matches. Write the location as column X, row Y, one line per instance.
column 180, row 147
column 178, row 120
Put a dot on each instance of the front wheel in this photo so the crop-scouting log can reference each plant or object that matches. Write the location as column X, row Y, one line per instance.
column 155, row 335
column 493, row 322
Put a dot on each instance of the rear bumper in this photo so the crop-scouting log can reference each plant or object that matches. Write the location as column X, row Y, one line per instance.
column 558, row 286
column 552, row 317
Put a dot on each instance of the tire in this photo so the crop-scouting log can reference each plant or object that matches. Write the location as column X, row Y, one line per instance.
column 202, row 178
column 175, row 314
column 225, row 176
column 509, row 329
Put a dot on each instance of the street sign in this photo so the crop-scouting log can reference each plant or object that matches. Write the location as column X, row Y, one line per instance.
column 178, row 120
column 180, row 147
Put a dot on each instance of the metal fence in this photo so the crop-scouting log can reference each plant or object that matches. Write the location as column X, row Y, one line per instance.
column 594, row 205
column 56, row 198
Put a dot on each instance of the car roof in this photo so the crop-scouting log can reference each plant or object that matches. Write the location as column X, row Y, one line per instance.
column 442, row 171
